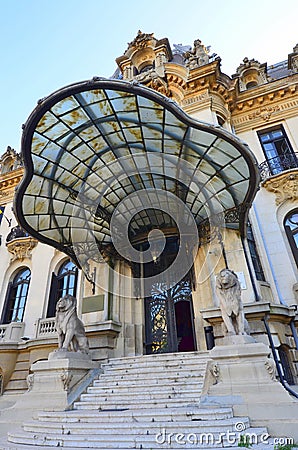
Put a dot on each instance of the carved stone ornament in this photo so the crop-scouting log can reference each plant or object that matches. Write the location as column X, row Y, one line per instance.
column 30, row 381
column 264, row 113
column 21, row 248
column 285, row 187
column 3, row 194
column 215, row 372
column 66, row 378
column 270, row 367
column 198, row 56
column 141, row 40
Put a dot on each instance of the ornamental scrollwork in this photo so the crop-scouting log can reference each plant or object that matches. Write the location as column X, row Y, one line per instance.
column 285, row 187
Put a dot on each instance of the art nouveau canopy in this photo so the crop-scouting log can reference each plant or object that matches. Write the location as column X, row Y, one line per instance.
column 92, row 145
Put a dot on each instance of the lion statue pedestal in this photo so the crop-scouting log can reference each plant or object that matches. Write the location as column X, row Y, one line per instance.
column 240, row 373
column 60, row 379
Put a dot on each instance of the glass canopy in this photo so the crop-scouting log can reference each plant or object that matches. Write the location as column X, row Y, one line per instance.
column 91, row 146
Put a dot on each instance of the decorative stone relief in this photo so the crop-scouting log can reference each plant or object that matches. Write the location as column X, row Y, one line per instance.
column 141, row 40
column 196, row 99
column 264, row 113
column 154, row 81
column 30, row 381
column 3, row 194
column 215, row 372
column 66, row 378
column 198, row 56
column 285, row 187
column 270, row 367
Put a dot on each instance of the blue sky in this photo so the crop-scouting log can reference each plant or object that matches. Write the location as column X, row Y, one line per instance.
column 47, row 44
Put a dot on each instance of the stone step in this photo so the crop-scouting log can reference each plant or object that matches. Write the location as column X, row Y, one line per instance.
column 141, row 396
column 195, row 365
column 139, row 388
column 108, row 406
column 149, row 415
column 16, row 385
column 150, row 375
column 159, row 358
column 194, row 362
column 103, row 427
column 164, row 438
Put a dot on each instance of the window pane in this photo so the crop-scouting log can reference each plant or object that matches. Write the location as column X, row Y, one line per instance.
column 18, row 296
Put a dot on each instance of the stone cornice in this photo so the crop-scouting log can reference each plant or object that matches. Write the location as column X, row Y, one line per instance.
column 263, row 110
column 283, row 185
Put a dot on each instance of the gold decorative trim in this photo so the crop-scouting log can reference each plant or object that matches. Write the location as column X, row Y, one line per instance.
column 284, row 186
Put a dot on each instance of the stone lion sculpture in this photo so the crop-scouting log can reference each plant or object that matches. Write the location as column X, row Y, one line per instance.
column 70, row 329
column 229, row 293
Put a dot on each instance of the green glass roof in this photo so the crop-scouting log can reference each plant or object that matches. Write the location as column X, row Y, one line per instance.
column 93, row 145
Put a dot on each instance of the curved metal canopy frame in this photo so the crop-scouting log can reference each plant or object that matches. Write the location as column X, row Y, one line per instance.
column 100, row 141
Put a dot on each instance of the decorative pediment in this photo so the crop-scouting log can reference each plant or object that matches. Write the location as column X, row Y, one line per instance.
column 251, row 74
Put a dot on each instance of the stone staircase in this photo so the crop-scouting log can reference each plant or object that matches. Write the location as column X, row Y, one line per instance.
column 17, row 383
column 144, row 402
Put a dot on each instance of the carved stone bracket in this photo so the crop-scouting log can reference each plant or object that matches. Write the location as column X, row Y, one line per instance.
column 284, row 186
column 21, row 248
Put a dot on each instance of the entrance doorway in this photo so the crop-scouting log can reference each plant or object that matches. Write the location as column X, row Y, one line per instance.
column 169, row 324
column 169, row 320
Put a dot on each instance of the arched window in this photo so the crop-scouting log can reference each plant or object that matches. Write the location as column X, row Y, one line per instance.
column 16, row 297
column 291, row 227
column 65, row 282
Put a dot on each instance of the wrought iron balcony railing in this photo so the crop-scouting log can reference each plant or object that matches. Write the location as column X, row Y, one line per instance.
column 278, row 164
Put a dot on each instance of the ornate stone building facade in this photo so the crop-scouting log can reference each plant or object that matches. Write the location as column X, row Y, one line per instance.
column 259, row 105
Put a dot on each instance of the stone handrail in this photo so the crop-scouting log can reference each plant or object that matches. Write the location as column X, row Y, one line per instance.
column 46, row 327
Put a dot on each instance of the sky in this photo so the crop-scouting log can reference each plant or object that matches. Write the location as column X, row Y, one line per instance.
column 48, row 44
